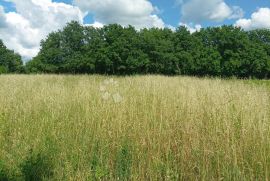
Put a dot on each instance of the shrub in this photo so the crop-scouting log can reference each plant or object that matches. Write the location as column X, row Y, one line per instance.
column 37, row 166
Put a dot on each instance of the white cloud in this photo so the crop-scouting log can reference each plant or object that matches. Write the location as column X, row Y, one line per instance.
column 197, row 11
column 95, row 24
column 18, row 35
column 139, row 13
column 35, row 19
column 259, row 19
column 32, row 22
column 192, row 28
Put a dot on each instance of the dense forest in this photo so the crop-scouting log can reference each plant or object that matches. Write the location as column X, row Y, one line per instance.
column 115, row 50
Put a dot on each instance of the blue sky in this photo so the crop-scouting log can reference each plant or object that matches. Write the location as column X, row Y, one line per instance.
column 24, row 23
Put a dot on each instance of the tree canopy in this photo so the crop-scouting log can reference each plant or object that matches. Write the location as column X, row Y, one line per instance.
column 214, row 51
column 10, row 62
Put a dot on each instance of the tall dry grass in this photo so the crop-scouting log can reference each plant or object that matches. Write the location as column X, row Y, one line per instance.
column 133, row 128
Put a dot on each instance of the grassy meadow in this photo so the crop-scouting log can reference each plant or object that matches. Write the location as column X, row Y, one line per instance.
column 133, row 128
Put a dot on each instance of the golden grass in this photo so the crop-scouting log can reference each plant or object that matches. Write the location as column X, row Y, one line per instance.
column 161, row 128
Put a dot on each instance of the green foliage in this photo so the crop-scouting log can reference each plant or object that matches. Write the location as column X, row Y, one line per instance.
column 37, row 167
column 10, row 62
column 97, row 168
column 123, row 162
column 217, row 51
column 3, row 172
column 3, row 70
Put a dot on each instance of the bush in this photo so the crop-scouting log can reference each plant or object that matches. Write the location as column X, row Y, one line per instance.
column 37, row 167
column 3, row 172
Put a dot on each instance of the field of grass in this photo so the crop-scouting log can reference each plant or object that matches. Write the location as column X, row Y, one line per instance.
column 133, row 128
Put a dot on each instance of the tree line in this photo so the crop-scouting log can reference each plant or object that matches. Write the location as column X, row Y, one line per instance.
column 115, row 50
column 10, row 62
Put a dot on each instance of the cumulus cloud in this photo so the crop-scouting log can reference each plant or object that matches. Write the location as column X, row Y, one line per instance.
column 139, row 13
column 192, row 28
column 33, row 21
column 259, row 19
column 197, row 11
column 18, row 35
